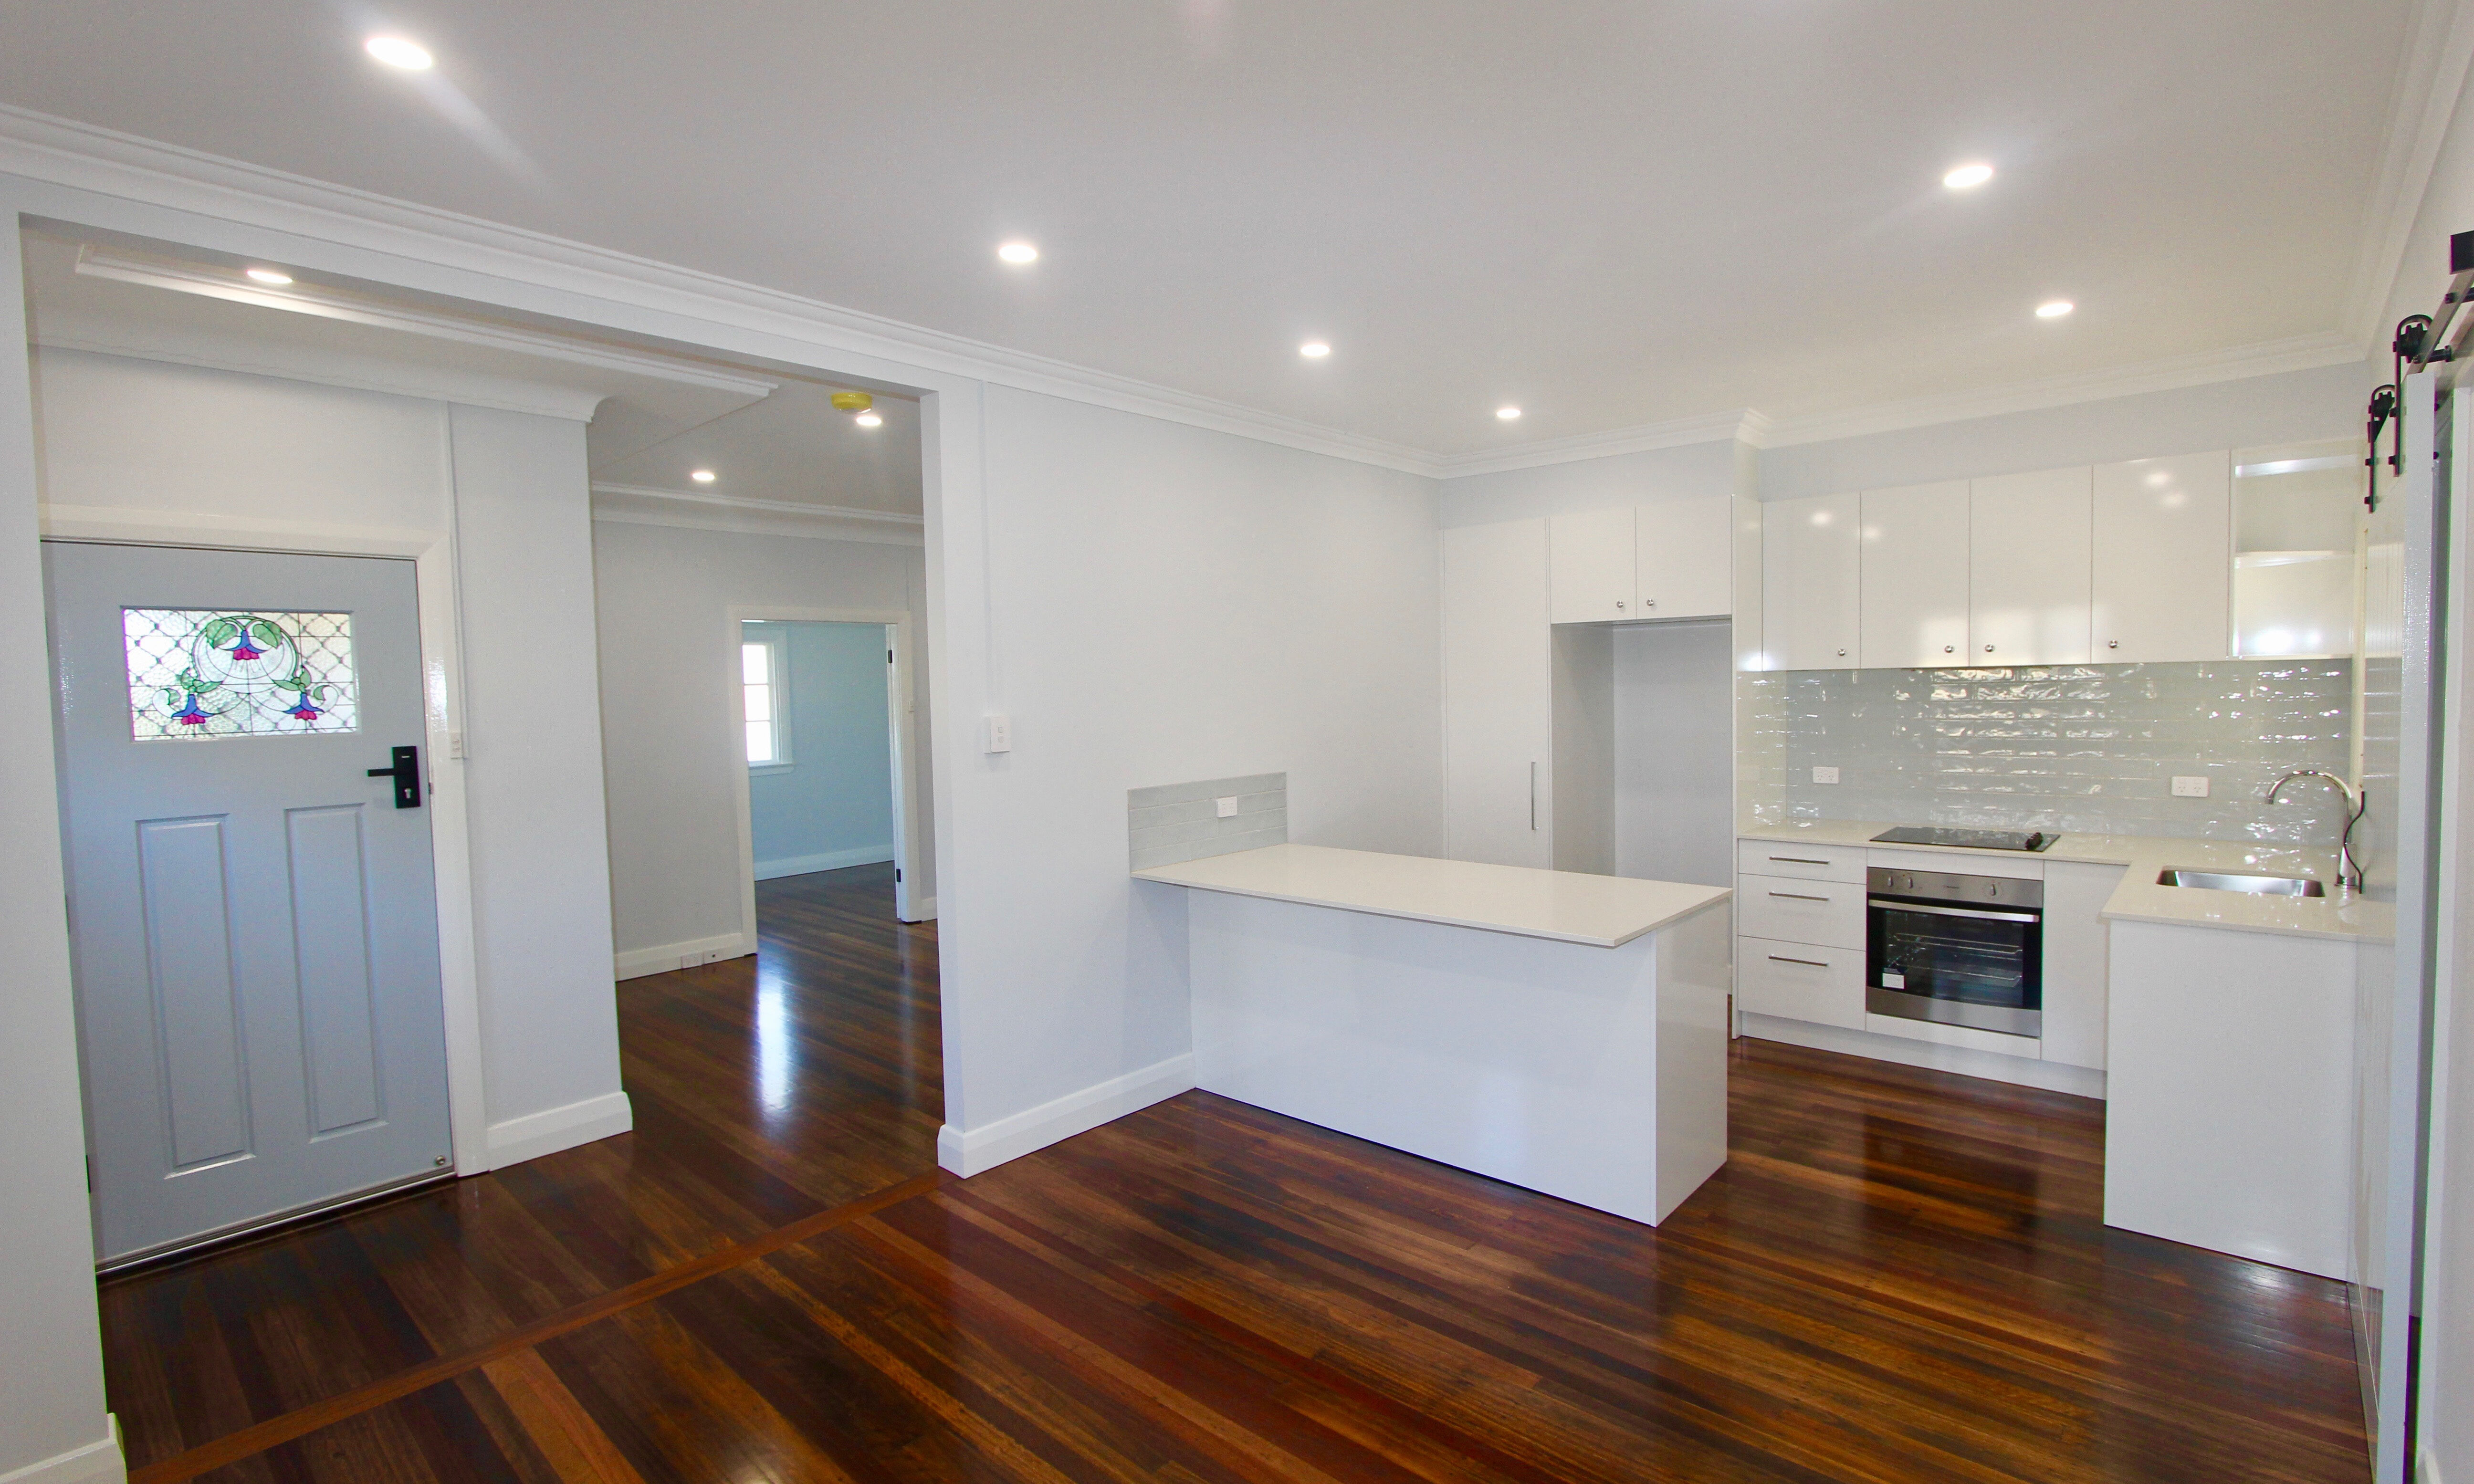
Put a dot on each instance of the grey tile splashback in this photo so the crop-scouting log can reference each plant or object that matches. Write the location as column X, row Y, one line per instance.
column 2086, row 748
column 1179, row 821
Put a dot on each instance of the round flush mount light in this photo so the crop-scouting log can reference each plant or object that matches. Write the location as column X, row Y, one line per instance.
column 269, row 277
column 1314, row 350
column 869, row 419
column 1018, row 252
column 702, row 475
column 1508, row 414
column 396, row 52
column 2054, row 308
column 1968, row 176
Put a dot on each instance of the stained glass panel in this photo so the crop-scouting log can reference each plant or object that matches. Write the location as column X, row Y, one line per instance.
column 224, row 672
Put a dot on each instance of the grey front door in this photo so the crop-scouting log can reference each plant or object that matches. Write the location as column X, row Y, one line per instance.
column 252, row 913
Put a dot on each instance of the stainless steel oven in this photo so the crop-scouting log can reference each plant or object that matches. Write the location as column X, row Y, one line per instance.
column 1960, row 950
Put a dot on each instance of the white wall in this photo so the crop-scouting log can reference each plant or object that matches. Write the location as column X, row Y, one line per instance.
column 1675, row 761
column 148, row 435
column 1682, row 473
column 51, row 1346
column 1152, row 603
column 664, row 595
column 831, row 803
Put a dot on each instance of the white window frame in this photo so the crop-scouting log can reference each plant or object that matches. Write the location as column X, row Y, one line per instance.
column 778, row 682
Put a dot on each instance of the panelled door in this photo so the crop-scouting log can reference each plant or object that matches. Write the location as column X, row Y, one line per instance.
column 251, row 899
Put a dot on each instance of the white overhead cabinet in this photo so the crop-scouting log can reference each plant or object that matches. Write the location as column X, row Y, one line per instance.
column 1591, row 565
column 1499, row 726
column 2163, row 559
column 1684, row 558
column 1810, row 563
column 1915, row 576
column 2029, row 568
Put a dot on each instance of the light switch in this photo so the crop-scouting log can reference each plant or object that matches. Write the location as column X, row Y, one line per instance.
column 999, row 733
column 1228, row 806
column 2191, row 788
column 1825, row 775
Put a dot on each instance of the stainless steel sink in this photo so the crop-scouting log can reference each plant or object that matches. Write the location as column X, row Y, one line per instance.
column 2256, row 886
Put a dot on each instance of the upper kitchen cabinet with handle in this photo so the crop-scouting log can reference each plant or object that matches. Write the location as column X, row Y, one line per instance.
column 1915, row 576
column 1810, row 582
column 1685, row 558
column 1590, row 566
column 2164, row 559
column 2028, row 561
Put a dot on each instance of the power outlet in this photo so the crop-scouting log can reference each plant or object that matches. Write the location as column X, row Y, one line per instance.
column 1228, row 806
column 2190, row 788
column 1825, row 775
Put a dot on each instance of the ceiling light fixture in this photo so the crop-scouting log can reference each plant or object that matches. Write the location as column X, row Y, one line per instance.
column 1968, row 176
column 269, row 277
column 2054, row 308
column 1508, row 414
column 702, row 475
column 869, row 419
column 1314, row 350
column 1018, row 252
column 396, row 52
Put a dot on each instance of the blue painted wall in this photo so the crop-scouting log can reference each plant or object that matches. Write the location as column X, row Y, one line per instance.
column 833, row 806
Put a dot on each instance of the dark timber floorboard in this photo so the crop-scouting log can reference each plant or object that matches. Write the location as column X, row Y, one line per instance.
column 1900, row 1276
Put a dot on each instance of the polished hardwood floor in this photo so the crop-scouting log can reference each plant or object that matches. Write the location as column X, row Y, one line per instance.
column 1899, row 1275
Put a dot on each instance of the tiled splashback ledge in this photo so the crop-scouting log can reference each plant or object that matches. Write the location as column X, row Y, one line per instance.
column 1181, row 821
column 2077, row 747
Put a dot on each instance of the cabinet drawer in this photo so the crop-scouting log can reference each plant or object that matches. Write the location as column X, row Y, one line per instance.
column 1795, row 910
column 1800, row 982
column 1793, row 858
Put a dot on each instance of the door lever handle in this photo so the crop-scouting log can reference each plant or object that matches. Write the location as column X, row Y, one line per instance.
column 406, row 773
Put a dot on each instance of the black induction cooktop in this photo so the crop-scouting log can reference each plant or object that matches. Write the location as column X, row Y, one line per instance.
column 1966, row 839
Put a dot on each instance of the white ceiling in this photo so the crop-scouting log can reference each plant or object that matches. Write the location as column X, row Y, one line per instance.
column 1612, row 215
column 653, row 423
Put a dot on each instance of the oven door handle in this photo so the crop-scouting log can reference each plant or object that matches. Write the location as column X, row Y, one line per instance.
column 1955, row 911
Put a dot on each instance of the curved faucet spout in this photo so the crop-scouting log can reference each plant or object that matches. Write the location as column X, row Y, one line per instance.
column 2348, row 869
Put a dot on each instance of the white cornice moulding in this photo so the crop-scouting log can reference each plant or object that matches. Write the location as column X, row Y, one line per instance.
column 334, row 304
column 2302, row 352
column 1711, row 428
column 637, row 504
column 2425, row 102
column 319, row 365
column 82, row 156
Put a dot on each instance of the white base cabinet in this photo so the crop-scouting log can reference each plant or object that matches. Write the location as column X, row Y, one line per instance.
column 2229, row 1067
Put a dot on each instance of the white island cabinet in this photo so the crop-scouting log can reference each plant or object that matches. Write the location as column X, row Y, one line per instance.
column 1562, row 1032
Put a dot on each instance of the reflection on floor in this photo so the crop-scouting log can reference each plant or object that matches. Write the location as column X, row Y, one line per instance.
column 1899, row 1275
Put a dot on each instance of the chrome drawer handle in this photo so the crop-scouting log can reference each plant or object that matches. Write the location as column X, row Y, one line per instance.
column 1814, row 963
column 1798, row 896
column 1799, row 860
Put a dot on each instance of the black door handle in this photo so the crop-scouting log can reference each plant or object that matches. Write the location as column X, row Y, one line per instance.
column 407, row 774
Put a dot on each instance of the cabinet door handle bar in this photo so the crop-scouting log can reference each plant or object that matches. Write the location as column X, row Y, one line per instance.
column 1812, row 962
column 1798, row 859
column 1800, row 896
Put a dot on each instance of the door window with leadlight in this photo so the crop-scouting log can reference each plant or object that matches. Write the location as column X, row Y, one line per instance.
column 229, row 672
column 763, row 684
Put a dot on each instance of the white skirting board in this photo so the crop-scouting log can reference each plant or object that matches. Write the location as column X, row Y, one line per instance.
column 554, row 1129
column 967, row 1152
column 925, row 908
column 830, row 860
column 662, row 958
column 2020, row 1071
column 100, row 1461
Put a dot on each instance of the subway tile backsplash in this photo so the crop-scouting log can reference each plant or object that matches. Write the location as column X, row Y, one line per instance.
column 2069, row 747
column 1181, row 821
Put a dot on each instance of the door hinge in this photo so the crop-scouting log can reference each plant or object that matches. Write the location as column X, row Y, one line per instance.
column 889, row 656
column 897, row 875
column 89, row 1175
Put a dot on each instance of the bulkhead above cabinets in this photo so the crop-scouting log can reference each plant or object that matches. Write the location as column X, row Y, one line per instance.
column 1630, row 564
column 2149, row 560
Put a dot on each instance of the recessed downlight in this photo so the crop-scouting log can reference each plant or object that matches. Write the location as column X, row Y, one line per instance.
column 1508, row 414
column 397, row 52
column 2054, row 308
column 1018, row 251
column 269, row 277
column 869, row 419
column 1314, row 350
column 1968, row 176
column 702, row 475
